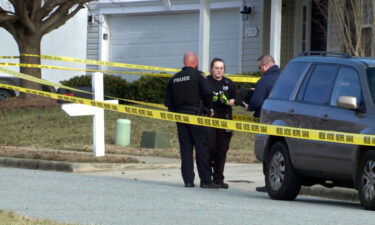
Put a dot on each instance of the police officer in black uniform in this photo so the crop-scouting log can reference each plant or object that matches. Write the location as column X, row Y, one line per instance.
column 188, row 92
column 223, row 99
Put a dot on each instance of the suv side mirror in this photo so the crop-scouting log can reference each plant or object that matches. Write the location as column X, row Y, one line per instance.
column 347, row 102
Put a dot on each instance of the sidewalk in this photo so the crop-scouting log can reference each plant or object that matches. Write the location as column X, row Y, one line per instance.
column 238, row 175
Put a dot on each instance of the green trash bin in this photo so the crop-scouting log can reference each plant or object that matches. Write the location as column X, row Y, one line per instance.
column 123, row 132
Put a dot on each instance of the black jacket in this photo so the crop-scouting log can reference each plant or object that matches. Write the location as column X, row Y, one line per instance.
column 227, row 86
column 263, row 89
column 188, row 92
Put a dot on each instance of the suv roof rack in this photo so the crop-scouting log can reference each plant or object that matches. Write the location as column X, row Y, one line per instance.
column 324, row 53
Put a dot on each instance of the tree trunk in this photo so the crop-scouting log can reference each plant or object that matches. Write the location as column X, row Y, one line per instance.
column 30, row 44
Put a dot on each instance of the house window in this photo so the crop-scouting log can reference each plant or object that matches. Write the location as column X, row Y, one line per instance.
column 367, row 12
column 304, row 28
column 367, row 28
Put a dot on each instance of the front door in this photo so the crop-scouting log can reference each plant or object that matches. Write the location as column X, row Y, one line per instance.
column 310, row 25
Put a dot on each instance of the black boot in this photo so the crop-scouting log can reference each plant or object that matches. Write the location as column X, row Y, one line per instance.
column 221, row 184
column 261, row 189
column 209, row 185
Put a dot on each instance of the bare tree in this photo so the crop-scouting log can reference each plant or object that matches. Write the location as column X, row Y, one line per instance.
column 355, row 24
column 29, row 20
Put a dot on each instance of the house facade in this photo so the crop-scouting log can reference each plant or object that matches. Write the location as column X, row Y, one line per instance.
column 158, row 32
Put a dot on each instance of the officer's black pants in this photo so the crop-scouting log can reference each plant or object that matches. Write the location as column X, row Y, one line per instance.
column 190, row 136
column 219, row 145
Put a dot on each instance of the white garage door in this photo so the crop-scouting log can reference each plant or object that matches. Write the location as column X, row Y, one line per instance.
column 161, row 40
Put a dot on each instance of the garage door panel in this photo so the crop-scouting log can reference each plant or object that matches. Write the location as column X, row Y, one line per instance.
column 161, row 40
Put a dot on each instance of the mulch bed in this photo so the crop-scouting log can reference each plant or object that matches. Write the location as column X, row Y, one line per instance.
column 30, row 101
column 65, row 156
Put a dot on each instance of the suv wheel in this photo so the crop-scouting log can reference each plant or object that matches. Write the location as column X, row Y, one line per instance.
column 366, row 181
column 282, row 182
column 4, row 94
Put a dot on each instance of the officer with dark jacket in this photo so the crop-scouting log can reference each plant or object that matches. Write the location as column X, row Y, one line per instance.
column 188, row 92
column 264, row 86
column 223, row 99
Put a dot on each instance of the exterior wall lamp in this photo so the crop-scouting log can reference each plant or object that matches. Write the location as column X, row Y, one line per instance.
column 247, row 10
column 90, row 19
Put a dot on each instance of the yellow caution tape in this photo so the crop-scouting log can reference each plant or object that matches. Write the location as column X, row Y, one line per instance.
column 86, row 70
column 244, row 79
column 244, row 118
column 235, row 116
column 45, row 82
column 34, row 79
column 234, row 78
column 9, row 57
column 102, row 63
column 41, row 81
column 155, row 105
column 300, row 133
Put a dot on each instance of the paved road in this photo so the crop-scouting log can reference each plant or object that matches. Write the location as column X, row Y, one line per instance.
column 239, row 176
column 87, row 199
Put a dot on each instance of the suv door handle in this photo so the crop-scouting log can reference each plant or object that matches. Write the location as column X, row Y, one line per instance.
column 324, row 117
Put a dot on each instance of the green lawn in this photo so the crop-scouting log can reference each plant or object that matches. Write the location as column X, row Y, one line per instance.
column 52, row 128
column 10, row 218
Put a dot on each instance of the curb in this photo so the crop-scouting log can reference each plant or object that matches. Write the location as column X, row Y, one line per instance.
column 336, row 193
column 95, row 167
column 38, row 164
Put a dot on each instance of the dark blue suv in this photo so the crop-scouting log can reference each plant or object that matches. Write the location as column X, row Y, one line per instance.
column 322, row 91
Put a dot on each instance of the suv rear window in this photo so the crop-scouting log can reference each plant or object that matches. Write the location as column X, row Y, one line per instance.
column 371, row 81
column 288, row 80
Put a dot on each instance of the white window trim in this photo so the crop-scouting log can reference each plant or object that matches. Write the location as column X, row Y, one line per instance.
column 168, row 4
column 159, row 6
column 240, row 36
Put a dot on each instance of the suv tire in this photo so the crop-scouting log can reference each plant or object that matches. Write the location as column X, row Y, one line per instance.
column 282, row 182
column 4, row 94
column 366, row 181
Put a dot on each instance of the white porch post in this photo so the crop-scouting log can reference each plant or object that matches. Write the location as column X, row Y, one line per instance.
column 204, row 35
column 104, row 34
column 275, row 36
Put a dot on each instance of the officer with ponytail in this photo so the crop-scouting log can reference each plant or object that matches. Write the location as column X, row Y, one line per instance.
column 224, row 93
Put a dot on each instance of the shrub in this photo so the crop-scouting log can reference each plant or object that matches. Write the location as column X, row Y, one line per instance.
column 148, row 89
column 78, row 81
